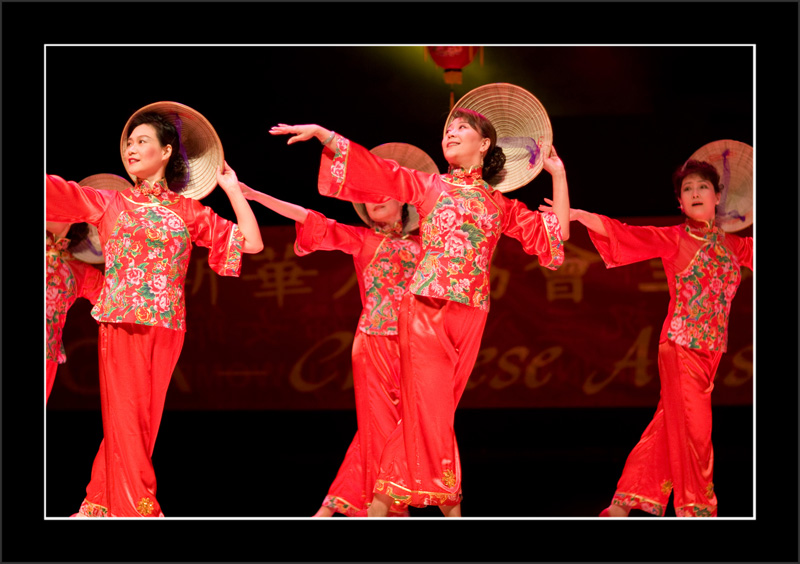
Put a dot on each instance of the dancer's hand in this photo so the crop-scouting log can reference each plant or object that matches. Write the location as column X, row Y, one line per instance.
column 301, row 132
column 248, row 192
column 226, row 178
column 245, row 219
column 551, row 161
column 573, row 213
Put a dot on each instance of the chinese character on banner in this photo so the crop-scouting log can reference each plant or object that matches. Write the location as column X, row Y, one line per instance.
column 279, row 277
column 566, row 283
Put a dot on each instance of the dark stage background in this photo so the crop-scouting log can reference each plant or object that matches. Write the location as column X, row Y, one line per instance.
column 628, row 103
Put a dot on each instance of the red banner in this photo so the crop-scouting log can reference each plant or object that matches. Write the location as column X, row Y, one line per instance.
column 279, row 336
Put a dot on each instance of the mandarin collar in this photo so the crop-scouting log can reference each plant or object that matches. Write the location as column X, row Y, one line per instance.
column 147, row 188
column 703, row 229
column 59, row 243
column 56, row 248
column 393, row 230
column 459, row 175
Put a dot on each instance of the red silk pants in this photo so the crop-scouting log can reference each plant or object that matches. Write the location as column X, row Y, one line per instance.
column 376, row 385
column 136, row 365
column 439, row 343
column 675, row 453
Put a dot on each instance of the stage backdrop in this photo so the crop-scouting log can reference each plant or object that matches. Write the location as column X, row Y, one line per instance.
column 279, row 336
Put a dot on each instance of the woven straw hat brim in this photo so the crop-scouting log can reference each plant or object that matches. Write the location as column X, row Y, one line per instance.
column 90, row 250
column 106, row 182
column 522, row 126
column 734, row 163
column 408, row 156
column 200, row 141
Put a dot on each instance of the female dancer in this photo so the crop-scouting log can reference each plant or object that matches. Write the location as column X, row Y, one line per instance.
column 147, row 233
column 66, row 279
column 385, row 258
column 702, row 264
column 443, row 314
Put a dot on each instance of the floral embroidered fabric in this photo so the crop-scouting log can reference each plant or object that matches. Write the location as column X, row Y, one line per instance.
column 386, row 278
column 89, row 509
column 147, row 257
column 384, row 258
column 145, row 188
column 704, row 293
column 59, row 296
column 67, row 279
column 703, row 268
column 459, row 240
column 462, row 219
column 147, row 233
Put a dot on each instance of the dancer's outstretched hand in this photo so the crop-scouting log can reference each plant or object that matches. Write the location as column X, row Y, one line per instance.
column 248, row 192
column 573, row 212
column 300, row 132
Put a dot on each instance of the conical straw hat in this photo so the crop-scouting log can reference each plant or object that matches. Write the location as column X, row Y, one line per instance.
column 106, row 182
column 201, row 144
column 734, row 163
column 408, row 156
column 522, row 126
column 90, row 250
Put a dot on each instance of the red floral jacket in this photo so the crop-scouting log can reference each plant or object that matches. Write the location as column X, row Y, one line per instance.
column 385, row 261
column 67, row 279
column 703, row 268
column 461, row 219
column 147, row 234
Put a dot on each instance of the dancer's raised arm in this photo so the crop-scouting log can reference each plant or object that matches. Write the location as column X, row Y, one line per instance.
column 560, row 202
column 286, row 209
column 245, row 218
column 590, row 220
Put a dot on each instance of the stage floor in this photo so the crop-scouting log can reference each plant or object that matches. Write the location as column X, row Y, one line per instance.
column 223, row 464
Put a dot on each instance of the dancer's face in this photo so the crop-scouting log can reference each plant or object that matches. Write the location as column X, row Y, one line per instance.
column 462, row 145
column 698, row 199
column 145, row 157
column 388, row 212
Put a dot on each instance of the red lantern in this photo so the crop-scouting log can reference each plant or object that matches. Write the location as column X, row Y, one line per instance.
column 452, row 60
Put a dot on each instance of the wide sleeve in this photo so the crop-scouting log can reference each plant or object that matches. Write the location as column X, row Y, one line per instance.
column 539, row 233
column 89, row 280
column 68, row 201
column 319, row 233
column 350, row 172
column 743, row 246
column 628, row 244
column 223, row 238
